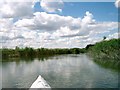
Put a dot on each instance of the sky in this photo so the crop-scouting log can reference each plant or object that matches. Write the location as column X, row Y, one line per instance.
column 57, row 24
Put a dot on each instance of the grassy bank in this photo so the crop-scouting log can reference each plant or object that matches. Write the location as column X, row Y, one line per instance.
column 106, row 53
column 106, row 49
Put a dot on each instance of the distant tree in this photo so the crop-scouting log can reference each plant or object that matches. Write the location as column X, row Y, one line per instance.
column 88, row 46
column 17, row 51
column 104, row 37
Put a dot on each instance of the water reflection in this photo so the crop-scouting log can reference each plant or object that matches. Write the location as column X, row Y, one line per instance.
column 0, row 76
column 27, row 59
column 64, row 71
column 109, row 64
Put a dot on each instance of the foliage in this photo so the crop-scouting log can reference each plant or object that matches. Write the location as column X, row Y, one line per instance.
column 106, row 51
column 29, row 52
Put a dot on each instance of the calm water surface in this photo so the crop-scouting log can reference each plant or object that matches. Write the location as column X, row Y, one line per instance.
column 64, row 71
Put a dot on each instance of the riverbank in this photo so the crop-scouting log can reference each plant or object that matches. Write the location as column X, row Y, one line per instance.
column 106, row 49
column 106, row 53
column 29, row 52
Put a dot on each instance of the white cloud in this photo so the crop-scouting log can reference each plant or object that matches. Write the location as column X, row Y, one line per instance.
column 16, row 9
column 52, row 5
column 65, row 32
column 49, row 22
column 24, row 23
column 88, row 19
column 117, row 3
column 114, row 35
column 103, row 27
column 55, row 31
column 49, row 30
column 6, row 24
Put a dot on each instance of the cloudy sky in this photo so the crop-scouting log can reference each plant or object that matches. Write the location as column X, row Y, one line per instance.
column 56, row 24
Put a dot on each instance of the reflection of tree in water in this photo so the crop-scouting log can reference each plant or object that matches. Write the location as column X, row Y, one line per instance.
column 43, row 57
column 109, row 64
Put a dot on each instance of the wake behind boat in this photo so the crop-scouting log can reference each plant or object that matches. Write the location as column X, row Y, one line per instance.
column 40, row 83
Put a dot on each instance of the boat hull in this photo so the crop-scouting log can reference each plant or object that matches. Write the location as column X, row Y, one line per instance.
column 40, row 83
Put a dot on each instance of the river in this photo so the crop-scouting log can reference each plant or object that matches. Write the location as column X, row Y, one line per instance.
column 62, row 71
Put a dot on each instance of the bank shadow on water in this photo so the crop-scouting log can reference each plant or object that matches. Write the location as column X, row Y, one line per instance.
column 108, row 63
column 27, row 59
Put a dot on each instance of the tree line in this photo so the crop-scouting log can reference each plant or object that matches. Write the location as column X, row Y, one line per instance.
column 104, row 49
column 31, row 52
column 104, row 53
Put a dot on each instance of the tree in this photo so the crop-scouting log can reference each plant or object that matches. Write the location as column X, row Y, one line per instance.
column 104, row 37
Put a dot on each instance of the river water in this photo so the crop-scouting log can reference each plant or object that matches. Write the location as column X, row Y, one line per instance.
column 63, row 71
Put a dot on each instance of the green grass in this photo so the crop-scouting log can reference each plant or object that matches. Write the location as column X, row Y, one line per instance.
column 106, row 53
column 108, row 49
